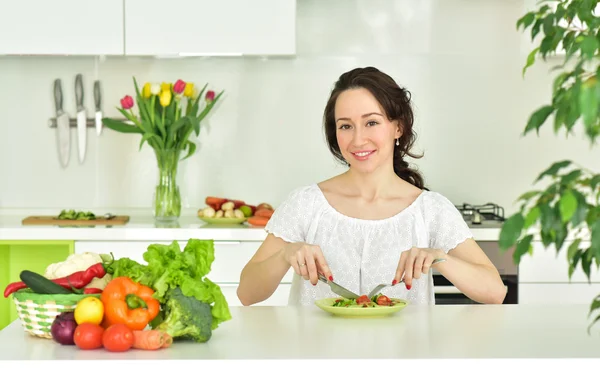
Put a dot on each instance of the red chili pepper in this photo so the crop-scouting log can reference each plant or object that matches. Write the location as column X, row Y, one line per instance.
column 76, row 280
column 89, row 291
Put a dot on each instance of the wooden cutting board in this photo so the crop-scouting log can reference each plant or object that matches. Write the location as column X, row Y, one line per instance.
column 53, row 220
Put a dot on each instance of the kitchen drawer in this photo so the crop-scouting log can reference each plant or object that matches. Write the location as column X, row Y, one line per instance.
column 278, row 298
column 548, row 267
column 557, row 293
column 230, row 256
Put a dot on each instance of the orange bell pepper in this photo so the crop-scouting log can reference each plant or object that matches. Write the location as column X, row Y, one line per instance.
column 128, row 302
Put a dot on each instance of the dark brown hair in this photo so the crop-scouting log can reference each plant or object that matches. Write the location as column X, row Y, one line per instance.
column 396, row 104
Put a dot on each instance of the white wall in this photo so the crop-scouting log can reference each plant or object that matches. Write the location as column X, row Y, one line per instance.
column 461, row 60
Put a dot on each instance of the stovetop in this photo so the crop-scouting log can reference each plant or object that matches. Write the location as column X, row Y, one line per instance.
column 486, row 215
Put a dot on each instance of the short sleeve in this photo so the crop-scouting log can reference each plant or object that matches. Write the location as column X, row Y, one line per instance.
column 447, row 228
column 291, row 218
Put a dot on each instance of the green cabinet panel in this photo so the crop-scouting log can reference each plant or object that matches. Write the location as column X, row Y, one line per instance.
column 16, row 256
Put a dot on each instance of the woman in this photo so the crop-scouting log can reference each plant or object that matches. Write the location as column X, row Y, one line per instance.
column 374, row 223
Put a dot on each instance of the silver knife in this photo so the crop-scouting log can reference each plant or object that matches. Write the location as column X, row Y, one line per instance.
column 63, row 131
column 81, row 117
column 98, row 103
column 337, row 289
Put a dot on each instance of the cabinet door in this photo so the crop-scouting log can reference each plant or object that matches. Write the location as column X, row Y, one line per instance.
column 16, row 256
column 91, row 27
column 208, row 27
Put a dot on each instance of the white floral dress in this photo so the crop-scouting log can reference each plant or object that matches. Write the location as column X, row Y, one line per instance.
column 364, row 253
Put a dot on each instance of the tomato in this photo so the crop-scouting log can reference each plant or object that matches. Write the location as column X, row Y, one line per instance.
column 384, row 300
column 88, row 336
column 118, row 338
column 89, row 310
column 364, row 299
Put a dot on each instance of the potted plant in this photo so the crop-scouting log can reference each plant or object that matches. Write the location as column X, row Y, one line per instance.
column 167, row 116
column 569, row 203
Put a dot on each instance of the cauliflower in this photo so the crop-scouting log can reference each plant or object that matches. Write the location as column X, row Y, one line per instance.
column 76, row 263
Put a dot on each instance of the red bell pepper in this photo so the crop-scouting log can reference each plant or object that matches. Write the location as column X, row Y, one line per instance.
column 76, row 280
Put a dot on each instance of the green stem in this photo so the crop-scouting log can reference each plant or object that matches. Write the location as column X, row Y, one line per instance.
column 134, row 302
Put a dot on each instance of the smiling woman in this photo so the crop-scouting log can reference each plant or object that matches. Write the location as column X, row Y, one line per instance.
column 375, row 223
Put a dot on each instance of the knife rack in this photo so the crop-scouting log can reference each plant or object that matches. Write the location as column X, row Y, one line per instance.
column 90, row 122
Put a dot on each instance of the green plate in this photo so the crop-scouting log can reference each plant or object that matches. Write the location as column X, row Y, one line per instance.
column 359, row 311
column 223, row 220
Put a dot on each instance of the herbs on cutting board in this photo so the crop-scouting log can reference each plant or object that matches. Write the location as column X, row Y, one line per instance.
column 191, row 304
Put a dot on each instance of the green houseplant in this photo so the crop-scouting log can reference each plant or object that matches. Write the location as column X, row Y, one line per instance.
column 167, row 116
column 568, row 202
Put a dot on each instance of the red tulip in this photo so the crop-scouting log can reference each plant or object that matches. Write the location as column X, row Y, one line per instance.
column 210, row 95
column 179, row 86
column 127, row 102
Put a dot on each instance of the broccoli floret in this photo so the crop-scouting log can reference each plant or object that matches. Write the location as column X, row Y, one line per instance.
column 186, row 318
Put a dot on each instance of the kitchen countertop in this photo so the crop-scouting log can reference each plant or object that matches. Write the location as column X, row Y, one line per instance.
column 442, row 331
column 141, row 227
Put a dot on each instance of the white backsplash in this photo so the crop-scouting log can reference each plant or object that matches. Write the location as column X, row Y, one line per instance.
column 461, row 60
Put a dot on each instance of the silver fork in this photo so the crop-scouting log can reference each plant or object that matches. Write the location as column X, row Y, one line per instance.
column 383, row 285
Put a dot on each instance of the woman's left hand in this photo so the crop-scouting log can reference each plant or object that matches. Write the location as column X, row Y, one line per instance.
column 415, row 262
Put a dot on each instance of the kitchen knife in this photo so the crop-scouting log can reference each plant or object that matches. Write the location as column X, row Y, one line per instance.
column 63, row 131
column 81, row 117
column 98, row 103
column 337, row 289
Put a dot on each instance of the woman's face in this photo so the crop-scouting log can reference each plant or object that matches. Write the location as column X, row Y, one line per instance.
column 365, row 137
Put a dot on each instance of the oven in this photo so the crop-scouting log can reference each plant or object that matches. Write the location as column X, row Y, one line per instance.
column 484, row 216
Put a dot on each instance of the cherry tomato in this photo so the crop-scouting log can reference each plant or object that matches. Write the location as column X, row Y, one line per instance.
column 364, row 299
column 384, row 300
column 118, row 338
column 88, row 336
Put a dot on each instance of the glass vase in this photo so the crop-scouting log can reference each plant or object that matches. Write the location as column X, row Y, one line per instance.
column 167, row 199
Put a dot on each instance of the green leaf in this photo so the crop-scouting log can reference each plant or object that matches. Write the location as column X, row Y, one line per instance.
column 595, row 181
column 586, row 263
column 568, row 205
column 588, row 102
column 568, row 178
column 595, row 246
column 148, row 136
column 572, row 250
column 553, row 169
column 511, row 230
column 530, row 60
column 523, row 246
column 582, row 209
column 593, row 307
column 589, row 46
column 532, row 217
column 538, row 118
column 528, row 195
column 119, row 126
column 576, row 259
column 526, row 20
column 191, row 149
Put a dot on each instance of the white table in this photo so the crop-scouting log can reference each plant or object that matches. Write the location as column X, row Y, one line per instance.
column 450, row 331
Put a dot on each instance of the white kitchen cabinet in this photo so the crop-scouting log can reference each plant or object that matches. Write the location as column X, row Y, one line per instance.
column 230, row 258
column 56, row 27
column 545, row 266
column 558, row 293
column 208, row 27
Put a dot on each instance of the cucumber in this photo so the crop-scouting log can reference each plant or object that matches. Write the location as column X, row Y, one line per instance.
column 40, row 284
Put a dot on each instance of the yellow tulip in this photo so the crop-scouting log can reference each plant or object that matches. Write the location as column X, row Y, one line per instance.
column 146, row 90
column 165, row 87
column 189, row 90
column 165, row 97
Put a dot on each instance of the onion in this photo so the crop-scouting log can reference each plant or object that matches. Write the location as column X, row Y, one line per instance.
column 63, row 328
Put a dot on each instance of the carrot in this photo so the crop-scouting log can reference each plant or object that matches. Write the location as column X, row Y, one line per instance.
column 150, row 340
column 168, row 340
column 258, row 221
column 267, row 213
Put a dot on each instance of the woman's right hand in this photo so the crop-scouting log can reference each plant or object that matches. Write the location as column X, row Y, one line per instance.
column 308, row 261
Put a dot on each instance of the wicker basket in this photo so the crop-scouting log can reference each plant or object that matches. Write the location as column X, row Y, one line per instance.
column 37, row 311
